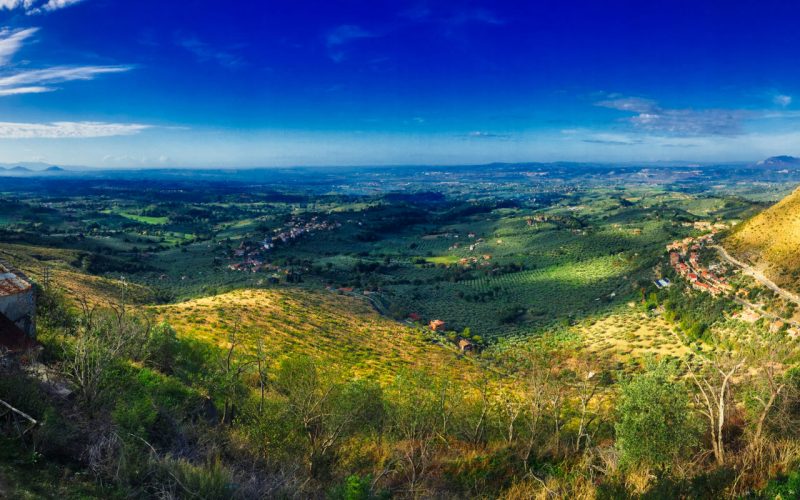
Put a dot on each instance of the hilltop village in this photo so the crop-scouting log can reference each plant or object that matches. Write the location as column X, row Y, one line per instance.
column 699, row 261
column 684, row 259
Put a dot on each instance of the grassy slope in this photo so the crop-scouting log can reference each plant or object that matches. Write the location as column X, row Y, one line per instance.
column 770, row 240
column 335, row 329
column 33, row 260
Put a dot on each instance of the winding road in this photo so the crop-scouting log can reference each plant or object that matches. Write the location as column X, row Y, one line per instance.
column 757, row 275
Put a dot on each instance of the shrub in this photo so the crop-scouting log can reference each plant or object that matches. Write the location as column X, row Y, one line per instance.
column 654, row 423
column 162, row 347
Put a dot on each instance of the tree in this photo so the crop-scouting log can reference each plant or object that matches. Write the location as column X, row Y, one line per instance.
column 324, row 409
column 713, row 382
column 542, row 396
column 102, row 340
column 770, row 381
column 419, row 417
column 654, row 423
column 586, row 386
column 162, row 346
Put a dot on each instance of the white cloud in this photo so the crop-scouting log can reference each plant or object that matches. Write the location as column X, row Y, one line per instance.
column 633, row 104
column 32, row 81
column 782, row 100
column 11, row 4
column 651, row 117
column 24, row 90
column 11, row 41
column 58, row 74
column 205, row 52
column 487, row 135
column 36, row 6
column 67, row 130
column 343, row 35
column 58, row 4
column 346, row 32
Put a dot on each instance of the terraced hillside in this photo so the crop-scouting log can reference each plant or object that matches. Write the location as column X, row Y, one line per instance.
column 771, row 241
column 334, row 329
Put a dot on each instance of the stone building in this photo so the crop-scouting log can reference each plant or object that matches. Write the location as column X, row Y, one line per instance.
column 17, row 299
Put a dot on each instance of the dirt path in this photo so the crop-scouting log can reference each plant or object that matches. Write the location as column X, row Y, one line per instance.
column 757, row 275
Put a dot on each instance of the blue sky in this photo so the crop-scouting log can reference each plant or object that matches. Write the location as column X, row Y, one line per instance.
column 143, row 83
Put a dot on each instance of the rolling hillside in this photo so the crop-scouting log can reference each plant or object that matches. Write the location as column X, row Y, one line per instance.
column 771, row 240
column 76, row 284
column 335, row 329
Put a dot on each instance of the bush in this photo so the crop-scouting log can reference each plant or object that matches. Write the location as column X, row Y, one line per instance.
column 654, row 424
column 186, row 480
column 162, row 347
column 355, row 487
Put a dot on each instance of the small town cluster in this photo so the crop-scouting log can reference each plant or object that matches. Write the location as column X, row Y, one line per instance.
column 684, row 259
column 250, row 255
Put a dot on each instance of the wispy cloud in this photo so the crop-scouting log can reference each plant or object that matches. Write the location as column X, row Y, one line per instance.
column 15, row 4
column 37, row 81
column 67, row 130
column 58, row 74
column 480, row 134
column 650, row 117
column 25, row 90
column 482, row 16
column 205, row 52
column 417, row 13
column 12, row 40
column 457, row 17
column 782, row 100
column 611, row 142
column 58, row 4
column 32, row 7
column 341, row 36
column 634, row 104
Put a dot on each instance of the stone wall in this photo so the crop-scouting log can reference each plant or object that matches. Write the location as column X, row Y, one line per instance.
column 17, row 298
column 21, row 309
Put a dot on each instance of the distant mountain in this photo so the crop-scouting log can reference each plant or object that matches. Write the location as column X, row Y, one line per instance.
column 30, row 169
column 770, row 241
column 780, row 161
column 30, row 165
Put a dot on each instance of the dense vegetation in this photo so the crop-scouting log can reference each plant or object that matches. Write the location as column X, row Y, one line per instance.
column 180, row 359
column 158, row 414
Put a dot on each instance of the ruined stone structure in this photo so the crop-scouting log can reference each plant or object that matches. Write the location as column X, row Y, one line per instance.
column 17, row 299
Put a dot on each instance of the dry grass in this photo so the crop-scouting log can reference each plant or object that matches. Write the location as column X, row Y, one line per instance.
column 770, row 240
column 630, row 337
column 33, row 260
column 334, row 329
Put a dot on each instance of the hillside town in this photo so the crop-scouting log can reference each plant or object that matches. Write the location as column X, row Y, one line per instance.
column 250, row 255
column 684, row 259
